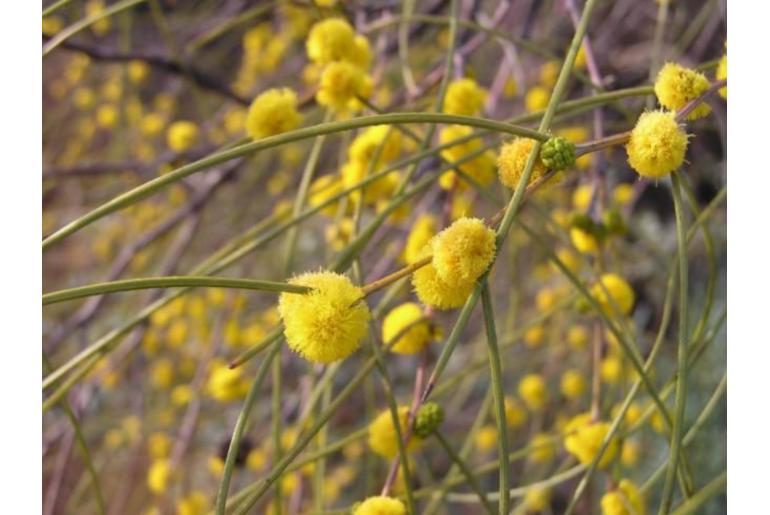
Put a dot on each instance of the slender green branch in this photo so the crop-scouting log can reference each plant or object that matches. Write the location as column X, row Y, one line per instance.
column 240, row 426
column 496, row 374
column 153, row 186
column 714, row 487
column 467, row 473
column 86, row 22
column 190, row 281
column 681, row 382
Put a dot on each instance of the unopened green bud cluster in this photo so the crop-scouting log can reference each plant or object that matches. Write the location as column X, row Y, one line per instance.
column 558, row 153
column 429, row 418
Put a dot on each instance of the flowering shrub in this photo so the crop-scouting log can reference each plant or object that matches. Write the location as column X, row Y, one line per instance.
column 372, row 258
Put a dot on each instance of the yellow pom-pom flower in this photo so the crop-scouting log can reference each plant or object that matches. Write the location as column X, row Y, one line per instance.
column 412, row 340
column 534, row 337
column 620, row 292
column 583, row 438
column 464, row 97
column 515, row 414
column 577, row 337
column 327, row 323
column 225, row 384
column 195, row 503
column 533, row 391
column 481, row 168
column 486, row 438
column 158, row 476
column 657, row 145
column 273, row 112
column 330, row 40
column 543, row 448
column 181, row 135
column 722, row 75
column 549, row 72
column 584, row 241
column 626, row 499
column 463, row 251
column 611, row 369
column 341, row 85
column 159, row 445
column 322, row 189
column 513, row 159
column 677, row 85
column 536, row 99
column 537, row 499
column 365, row 146
column 380, row 505
column 423, row 230
column 383, row 438
column 433, row 291
column 573, row 384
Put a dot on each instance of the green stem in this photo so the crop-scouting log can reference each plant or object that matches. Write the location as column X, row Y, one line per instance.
column 83, row 446
column 466, row 472
column 691, row 505
column 496, row 374
column 681, row 382
column 240, row 425
column 153, row 186
column 189, row 281
column 86, row 22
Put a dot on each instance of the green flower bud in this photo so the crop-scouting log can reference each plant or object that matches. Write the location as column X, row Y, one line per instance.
column 558, row 153
column 429, row 418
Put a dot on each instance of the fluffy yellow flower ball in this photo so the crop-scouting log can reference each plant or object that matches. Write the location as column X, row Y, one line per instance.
column 577, row 337
column 322, row 189
column 583, row 241
column 353, row 172
column 364, row 146
column 327, row 323
column 341, row 84
column 158, row 476
column 181, row 135
column 383, row 439
column 515, row 414
column 464, row 97
column 536, row 99
column 423, row 230
column 380, row 505
column 582, row 196
column 412, row 340
column 722, row 75
column 481, row 168
column 273, row 112
column 463, row 251
column 657, row 145
column 620, row 292
column 225, row 384
column 194, row 504
column 538, row 499
column 433, row 291
column 626, row 499
column 513, row 159
column 546, row 299
column 677, row 85
column 158, row 445
column 486, row 438
column 330, row 40
column 543, row 448
column 533, row 391
column 583, row 438
column 573, row 384
column 534, row 337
